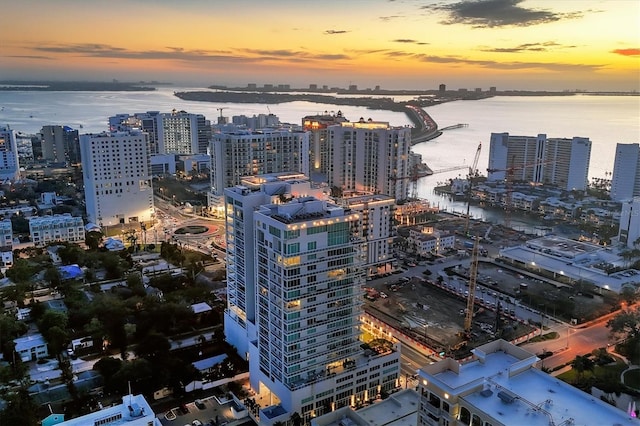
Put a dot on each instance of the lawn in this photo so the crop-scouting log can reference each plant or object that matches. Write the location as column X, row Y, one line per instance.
column 632, row 378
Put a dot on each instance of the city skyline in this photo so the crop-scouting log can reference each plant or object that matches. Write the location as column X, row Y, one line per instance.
column 512, row 44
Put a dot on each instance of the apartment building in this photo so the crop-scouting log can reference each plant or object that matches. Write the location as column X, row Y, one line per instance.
column 117, row 179
column 294, row 298
column 540, row 160
column 625, row 180
column 237, row 153
column 60, row 144
column 317, row 126
column 629, row 232
column 369, row 157
column 60, row 227
column 9, row 164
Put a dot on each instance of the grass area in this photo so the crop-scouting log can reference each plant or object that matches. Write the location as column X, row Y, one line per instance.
column 599, row 372
column 632, row 378
column 543, row 338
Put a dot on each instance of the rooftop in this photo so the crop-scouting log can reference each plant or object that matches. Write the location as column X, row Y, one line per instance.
column 134, row 411
column 503, row 383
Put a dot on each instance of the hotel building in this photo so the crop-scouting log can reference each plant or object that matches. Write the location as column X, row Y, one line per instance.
column 60, row 227
column 239, row 153
column 541, row 160
column 294, row 277
column 117, row 180
column 370, row 157
column 625, row 181
column 9, row 165
column 501, row 386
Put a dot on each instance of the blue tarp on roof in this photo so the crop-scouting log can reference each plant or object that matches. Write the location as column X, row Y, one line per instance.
column 69, row 272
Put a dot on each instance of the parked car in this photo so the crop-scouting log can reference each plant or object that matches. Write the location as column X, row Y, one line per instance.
column 183, row 408
column 200, row 404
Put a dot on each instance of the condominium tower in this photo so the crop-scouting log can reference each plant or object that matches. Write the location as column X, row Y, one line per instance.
column 369, row 157
column 9, row 166
column 239, row 153
column 554, row 161
column 60, row 144
column 294, row 280
column 625, row 181
column 117, row 183
column 318, row 125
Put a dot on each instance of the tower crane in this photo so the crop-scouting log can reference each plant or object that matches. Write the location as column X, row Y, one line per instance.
column 221, row 119
column 473, row 276
column 473, row 174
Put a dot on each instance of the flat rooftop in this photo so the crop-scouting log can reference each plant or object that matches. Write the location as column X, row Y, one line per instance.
column 508, row 388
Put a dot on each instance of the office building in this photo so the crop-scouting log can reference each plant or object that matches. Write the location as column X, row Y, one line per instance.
column 117, row 179
column 629, row 232
column 9, row 164
column 625, row 180
column 540, row 160
column 317, row 126
column 501, row 386
column 294, row 297
column 60, row 227
column 369, row 157
column 237, row 153
column 60, row 144
column 134, row 411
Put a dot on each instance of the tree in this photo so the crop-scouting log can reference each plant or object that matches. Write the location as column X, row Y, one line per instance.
column 52, row 274
column 153, row 346
column 629, row 295
column 21, row 271
column 582, row 364
column 625, row 327
column 93, row 239
column 72, row 254
column 108, row 367
column 20, row 410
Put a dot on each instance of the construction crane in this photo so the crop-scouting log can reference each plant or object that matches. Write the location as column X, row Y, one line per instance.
column 221, row 119
column 473, row 174
column 473, row 276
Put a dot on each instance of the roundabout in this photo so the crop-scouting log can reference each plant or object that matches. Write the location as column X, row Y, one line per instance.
column 191, row 229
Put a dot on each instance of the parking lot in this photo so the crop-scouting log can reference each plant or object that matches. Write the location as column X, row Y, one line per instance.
column 206, row 411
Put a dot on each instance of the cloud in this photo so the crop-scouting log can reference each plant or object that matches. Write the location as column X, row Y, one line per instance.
column 497, row 13
column 333, row 32
column 187, row 55
column 48, row 58
column 527, row 47
column 390, row 18
column 457, row 61
column 409, row 41
column 627, row 52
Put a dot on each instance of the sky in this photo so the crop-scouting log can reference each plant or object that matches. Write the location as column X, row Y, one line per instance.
column 554, row 45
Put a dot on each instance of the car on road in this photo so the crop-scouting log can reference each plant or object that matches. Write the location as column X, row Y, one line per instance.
column 383, row 295
column 196, row 422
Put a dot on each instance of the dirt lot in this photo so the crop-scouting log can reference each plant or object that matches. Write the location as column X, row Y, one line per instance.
column 419, row 307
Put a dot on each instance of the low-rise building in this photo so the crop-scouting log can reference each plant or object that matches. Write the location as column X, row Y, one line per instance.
column 427, row 241
column 31, row 347
column 48, row 229
column 502, row 386
column 134, row 411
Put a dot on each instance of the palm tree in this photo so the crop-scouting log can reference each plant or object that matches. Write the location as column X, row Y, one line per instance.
column 582, row 364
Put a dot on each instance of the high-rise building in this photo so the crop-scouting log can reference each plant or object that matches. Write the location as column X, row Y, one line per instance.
column 9, row 164
column 239, row 153
column 629, row 232
column 117, row 180
column 60, row 144
column 625, row 180
column 294, row 297
column 554, row 161
column 501, row 386
column 317, row 126
column 369, row 157
column 144, row 121
column 377, row 214
column 180, row 132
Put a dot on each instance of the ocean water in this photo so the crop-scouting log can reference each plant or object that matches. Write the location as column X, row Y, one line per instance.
column 605, row 120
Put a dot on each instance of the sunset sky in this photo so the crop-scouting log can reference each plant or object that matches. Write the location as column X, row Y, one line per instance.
column 401, row 44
